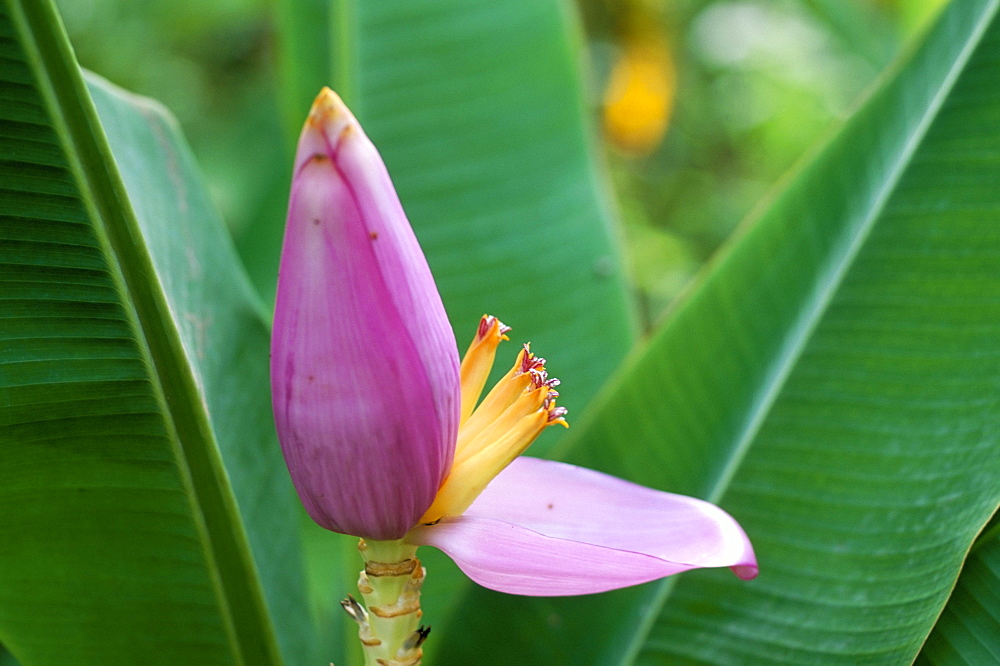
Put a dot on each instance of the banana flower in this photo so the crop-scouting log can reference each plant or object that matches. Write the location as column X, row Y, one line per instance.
column 385, row 436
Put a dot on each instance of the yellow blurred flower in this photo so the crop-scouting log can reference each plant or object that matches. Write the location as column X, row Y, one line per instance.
column 640, row 95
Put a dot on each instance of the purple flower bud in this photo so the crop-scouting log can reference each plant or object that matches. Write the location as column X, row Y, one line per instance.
column 364, row 365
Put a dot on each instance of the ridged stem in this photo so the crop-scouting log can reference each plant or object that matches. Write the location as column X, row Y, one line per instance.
column 389, row 621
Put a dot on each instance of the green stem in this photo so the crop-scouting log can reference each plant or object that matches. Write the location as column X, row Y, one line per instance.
column 390, row 585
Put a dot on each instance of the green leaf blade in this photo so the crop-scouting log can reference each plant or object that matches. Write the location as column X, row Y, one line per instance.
column 871, row 471
column 49, row 244
column 225, row 332
column 967, row 632
column 478, row 110
column 485, row 134
column 832, row 382
column 129, row 543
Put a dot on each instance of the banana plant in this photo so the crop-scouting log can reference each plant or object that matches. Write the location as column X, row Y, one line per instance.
column 830, row 379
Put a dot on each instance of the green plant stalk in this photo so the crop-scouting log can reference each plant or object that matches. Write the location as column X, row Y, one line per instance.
column 390, row 586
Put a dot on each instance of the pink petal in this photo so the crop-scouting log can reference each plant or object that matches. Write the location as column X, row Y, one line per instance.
column 364, row 365
column 545, row 528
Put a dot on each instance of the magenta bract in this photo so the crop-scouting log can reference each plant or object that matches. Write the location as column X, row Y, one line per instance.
column 364, row 365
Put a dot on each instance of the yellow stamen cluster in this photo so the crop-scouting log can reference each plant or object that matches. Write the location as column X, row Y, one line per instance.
column 508, row 420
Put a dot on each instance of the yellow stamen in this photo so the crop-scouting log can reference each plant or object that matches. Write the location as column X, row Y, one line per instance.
column 477, row 440
column 470, row 477
column 478, row 361
column 503, row 394
column 508, row 420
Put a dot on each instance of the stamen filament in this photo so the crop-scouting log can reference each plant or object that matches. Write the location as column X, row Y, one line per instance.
column 478, row 361
column 509, row 419
column 470, row 477
column 526, row 403
column 504, row 394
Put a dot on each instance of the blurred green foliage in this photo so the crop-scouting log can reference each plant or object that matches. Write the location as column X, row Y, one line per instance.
column 756, row 84
column 213, row 65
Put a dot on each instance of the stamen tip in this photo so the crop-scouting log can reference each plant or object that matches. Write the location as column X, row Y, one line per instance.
column 488, row 323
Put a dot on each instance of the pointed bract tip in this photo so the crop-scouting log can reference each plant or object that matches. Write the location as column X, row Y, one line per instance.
column 327, row 108
column 329, row 122
column 416, row 639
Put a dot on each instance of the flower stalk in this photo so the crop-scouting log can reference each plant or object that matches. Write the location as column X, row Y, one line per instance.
column 390, row 585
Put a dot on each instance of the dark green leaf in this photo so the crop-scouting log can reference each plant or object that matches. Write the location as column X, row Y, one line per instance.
column 968, row 631
column 126, row 323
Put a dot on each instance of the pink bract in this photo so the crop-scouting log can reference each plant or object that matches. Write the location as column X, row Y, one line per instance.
column 545, row 528
column 364, row 365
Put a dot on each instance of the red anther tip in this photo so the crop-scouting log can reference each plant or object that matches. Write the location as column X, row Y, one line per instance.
column 486, row 324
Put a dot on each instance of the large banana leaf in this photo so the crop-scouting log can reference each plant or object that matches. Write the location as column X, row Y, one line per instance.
column 833, row 380
column 134, row 363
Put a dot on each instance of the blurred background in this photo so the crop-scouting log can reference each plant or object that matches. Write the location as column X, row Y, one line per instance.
column 700, row 106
